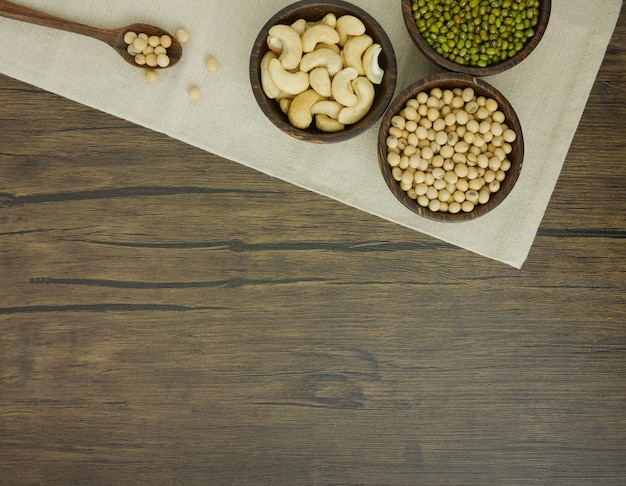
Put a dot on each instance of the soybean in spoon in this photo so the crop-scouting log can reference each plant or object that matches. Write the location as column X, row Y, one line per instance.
column 112, row 37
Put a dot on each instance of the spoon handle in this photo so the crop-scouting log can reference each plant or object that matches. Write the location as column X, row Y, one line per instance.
column 25, row 14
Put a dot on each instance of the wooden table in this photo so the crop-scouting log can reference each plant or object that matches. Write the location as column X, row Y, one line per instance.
column 170, row 317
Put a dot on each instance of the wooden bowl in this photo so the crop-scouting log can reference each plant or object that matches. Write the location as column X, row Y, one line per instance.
column 450, row 81
column 315, row 11
column 439, row 60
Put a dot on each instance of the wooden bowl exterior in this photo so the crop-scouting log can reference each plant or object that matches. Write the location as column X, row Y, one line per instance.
column 314, row 12
column 439, row 60
column 481, row 88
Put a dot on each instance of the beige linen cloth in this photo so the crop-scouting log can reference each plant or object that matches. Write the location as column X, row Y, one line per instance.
column 548, row 90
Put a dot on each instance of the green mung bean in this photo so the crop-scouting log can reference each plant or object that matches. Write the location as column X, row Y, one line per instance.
column 476, row 32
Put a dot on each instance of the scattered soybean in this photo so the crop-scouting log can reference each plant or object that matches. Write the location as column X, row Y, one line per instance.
column 194, row 93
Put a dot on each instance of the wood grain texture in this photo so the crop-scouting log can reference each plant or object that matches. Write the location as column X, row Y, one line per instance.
column 170, row 317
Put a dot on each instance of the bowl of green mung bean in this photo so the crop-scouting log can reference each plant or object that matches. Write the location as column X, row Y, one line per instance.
column 476, row 37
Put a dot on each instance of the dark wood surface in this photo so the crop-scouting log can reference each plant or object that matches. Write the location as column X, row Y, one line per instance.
column 170, row 317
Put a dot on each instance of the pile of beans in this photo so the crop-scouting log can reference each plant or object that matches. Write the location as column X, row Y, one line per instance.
column 152, row 51
column 148, row 50
column 448, row 149
column 476, row 32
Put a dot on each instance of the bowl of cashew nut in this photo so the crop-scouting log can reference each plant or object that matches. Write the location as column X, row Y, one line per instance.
column 323, row 72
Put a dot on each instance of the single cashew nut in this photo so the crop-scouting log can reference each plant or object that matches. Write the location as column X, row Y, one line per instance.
column 353, row 51
column 275, row 45
column 365, row 93
column 269, row 86
column 319, row 79
column 329, row 108
column 283, row 95
column 371, row 65
column 329, row 19
column 319, row 33
column 347, row 26
column 299, row 26
column 292, row 83
column 284, row 104
column 322, row 57
column 342, row 87
column 328, row 124
column 300, row 110
column 289, row 42
column 332, row 47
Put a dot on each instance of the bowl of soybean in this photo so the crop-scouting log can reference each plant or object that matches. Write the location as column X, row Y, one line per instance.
column 450, row 147
column 476, row 37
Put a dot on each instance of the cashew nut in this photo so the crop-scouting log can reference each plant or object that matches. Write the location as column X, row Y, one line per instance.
column 299, row 26
column 284, row 104
column 275, row 44
column 342, row 88
column 284, row 94
column 328, row 124
column 347, row 26
column 322, row 57
column 269, row 86
column 353, row 51
column 300, row 110
column 329, row 108
column 319, row 79
column 319, row 33
column 332, row 47
column 292, row 83
column 329, row 19
column 371, row 65
column 288, row 42
column 365, row 93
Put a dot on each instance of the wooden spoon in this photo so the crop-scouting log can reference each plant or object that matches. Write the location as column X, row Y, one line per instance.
column 112, row 37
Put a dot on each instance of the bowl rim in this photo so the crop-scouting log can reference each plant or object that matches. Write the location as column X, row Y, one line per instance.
column 439, row 60
column 445, row 80
column 388, row 62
